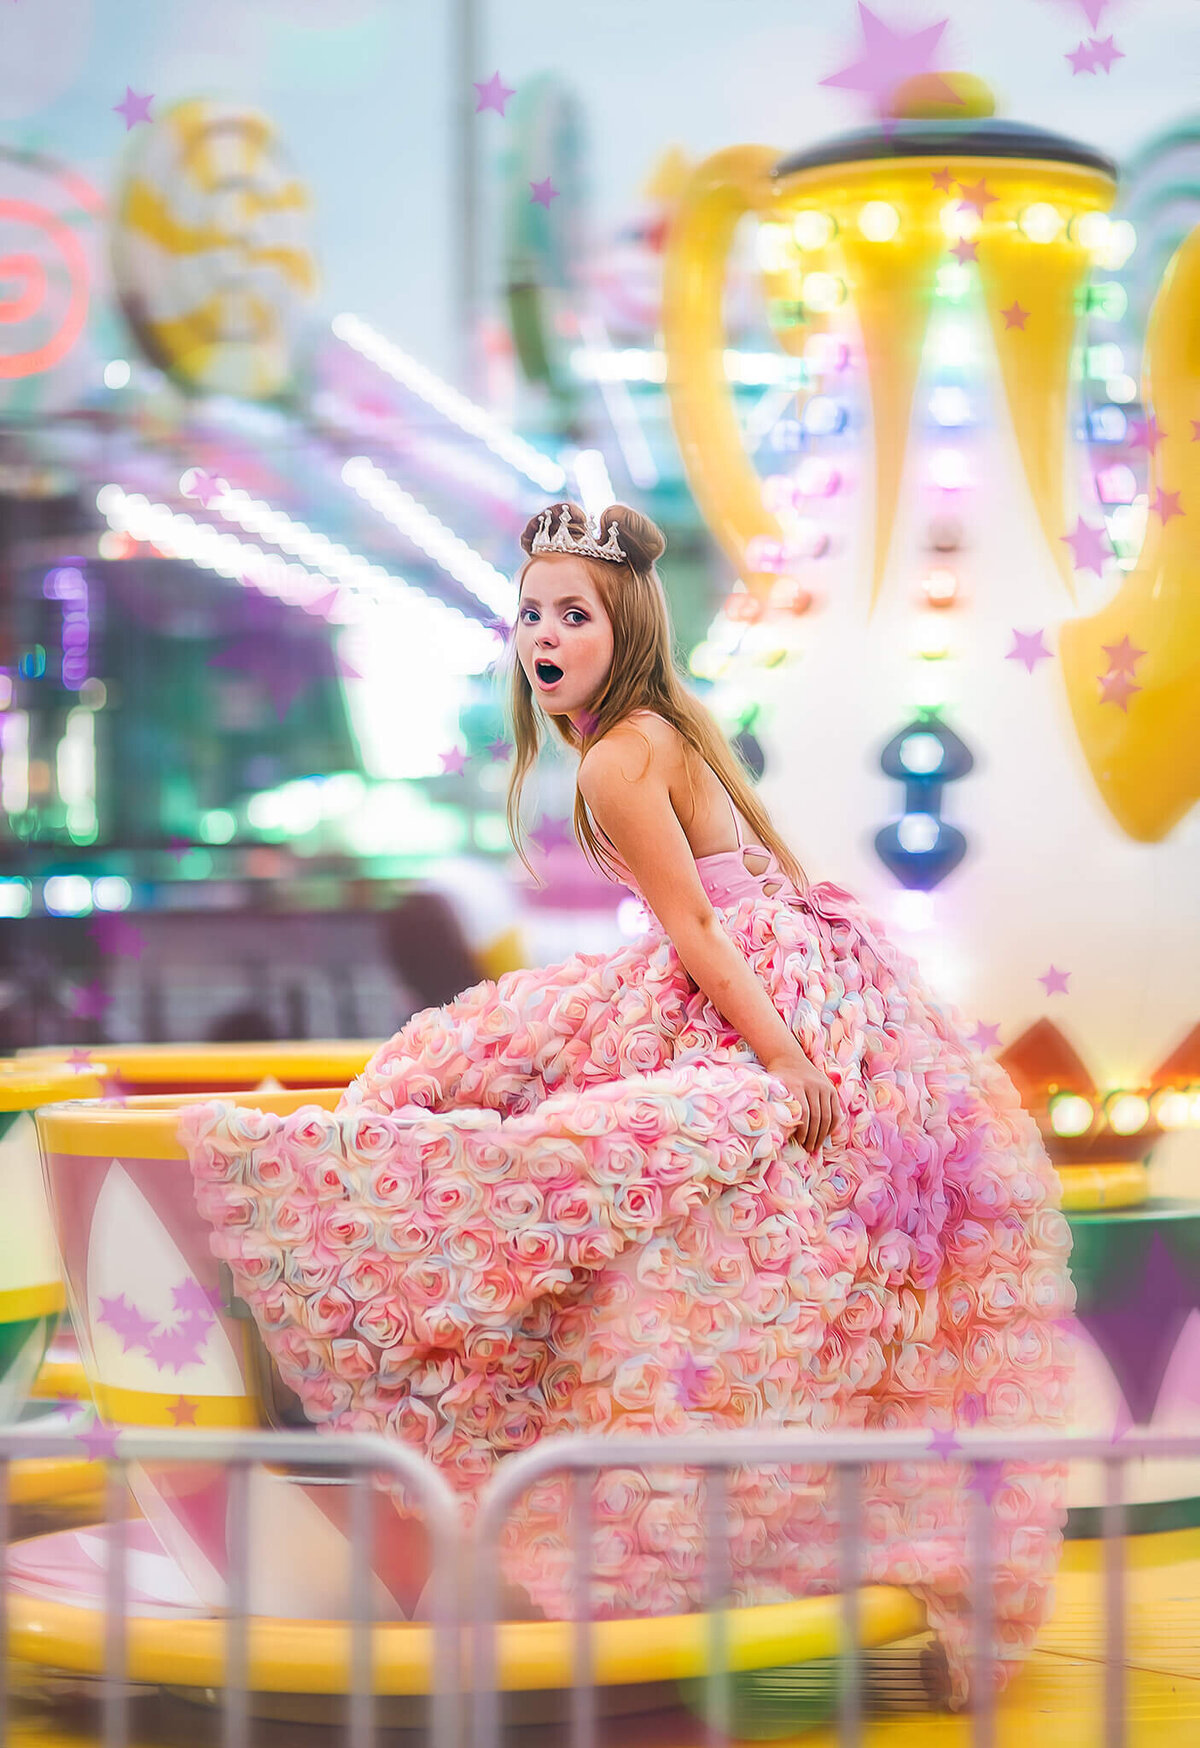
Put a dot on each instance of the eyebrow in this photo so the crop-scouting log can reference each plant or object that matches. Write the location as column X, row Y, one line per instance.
column 532, row 601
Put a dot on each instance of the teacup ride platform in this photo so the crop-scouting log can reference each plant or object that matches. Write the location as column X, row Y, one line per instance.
column 137, row 1265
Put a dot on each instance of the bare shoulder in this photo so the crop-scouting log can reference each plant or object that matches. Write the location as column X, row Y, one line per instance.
column 643, row 745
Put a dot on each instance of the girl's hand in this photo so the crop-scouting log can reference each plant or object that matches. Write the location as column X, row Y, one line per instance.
column 815, row 1095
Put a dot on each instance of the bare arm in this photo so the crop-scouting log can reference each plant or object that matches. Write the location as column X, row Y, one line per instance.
column 629, row 794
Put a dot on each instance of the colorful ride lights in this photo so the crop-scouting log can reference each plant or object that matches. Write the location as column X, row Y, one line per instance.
column 950, row 405
column 879, row 221
column 1041, row 222
column 1107, row 423
column 823, row 416
column 814, row 478
column 825, row 354
column 813, row 230
column 1108, row 300
column 1124, row 1112
column 822, row 292
column 1116, row 484
column 939, row 587
column 949, row 470
column 1070, row 1115
column 959, row 221
column 920, row 848
column 1110, row 242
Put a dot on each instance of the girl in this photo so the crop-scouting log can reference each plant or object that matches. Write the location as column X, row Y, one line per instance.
column 743, row 1172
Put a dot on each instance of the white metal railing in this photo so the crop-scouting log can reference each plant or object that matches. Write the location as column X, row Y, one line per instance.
column 464, row 1626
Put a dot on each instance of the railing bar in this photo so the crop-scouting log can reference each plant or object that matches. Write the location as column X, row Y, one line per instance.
column 719, row 1685
column 583, row 1689
column 486, row 1706
column 362, row 1651
column 114, row 1689
column 448, row 1609
column 850, row 1665
column 983, row 1697
column 4, row 1528
column 235, row 1711
column 1114, row 1602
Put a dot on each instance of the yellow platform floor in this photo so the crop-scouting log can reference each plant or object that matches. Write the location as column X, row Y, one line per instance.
column 1056, row 1702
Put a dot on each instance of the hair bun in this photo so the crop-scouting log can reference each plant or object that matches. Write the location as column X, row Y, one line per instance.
column 643, row 541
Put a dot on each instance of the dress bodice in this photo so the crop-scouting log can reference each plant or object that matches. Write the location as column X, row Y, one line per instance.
column 725, row 875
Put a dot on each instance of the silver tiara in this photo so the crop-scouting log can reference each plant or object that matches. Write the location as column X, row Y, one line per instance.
column 562, row 540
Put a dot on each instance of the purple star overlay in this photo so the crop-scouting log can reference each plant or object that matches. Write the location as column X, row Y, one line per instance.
column 80, row 1060
column 133, row 107
column 127, row 1321
column 943, row 178
column 976, row 197
column 1123, row 657
column 1166, row 505
column 183, row 1411
column 194, row 1300
column 985, row 1037
column 1117, row 689
column 1145, row 434
column 544, row 192
column 1015, row 316
column 1029, row 649
column 1054, row 981
column 1136, row 1324
column 1104, row 53
column 99, row 1441
column 986, row 1479
column 1090, row 546
column 889, row 58
column 178, row 847
column 180, row 1346
column 454, row 762
column 965, row 250
column 69, row 1406
column 687, row 1376
column 498, row 749
column 1195, row 423
column 1082, row 59
column 115, row 934
column 552, row 834
column 88, row 1001
column 175, row 1345
column 205, row 487
column 493, row 94
column 943, row 1442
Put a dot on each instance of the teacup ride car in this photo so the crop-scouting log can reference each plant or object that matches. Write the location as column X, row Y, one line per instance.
column 127, row 1070
column 32, row 1296
column 165, row 1343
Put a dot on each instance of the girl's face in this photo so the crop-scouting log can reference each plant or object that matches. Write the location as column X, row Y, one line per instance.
column 564, row 636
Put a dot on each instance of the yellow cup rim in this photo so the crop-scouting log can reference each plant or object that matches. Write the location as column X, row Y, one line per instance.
column 330, row 1059
column 145, row 1126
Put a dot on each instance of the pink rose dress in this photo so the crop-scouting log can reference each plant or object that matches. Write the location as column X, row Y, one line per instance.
column 570, row 1201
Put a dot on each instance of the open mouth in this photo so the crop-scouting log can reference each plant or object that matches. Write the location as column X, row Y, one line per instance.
column 548, row 673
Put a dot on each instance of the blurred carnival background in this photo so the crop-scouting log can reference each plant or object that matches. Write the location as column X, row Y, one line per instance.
column 887, row 316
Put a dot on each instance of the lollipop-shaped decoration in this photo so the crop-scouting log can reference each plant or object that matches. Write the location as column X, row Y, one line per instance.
column 211, row 250
column 46, row 220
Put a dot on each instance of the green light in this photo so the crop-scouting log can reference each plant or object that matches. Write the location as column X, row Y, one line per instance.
column 491, row 832
column 1108, row 299
column 217, row 826
column 953, row 281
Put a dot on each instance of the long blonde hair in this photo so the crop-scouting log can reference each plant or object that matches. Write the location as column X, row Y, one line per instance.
column 643, row 676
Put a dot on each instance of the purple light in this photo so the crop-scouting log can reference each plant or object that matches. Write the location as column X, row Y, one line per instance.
column 67, row 585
